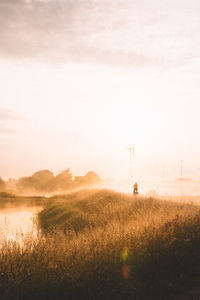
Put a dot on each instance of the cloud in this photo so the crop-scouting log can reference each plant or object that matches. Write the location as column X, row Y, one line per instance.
column 128, row 33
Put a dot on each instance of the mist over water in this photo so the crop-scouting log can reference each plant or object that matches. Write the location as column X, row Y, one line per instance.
column 18, row 221
column 112, row 87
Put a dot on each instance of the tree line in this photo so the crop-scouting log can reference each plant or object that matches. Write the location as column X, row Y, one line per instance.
column 45, row 182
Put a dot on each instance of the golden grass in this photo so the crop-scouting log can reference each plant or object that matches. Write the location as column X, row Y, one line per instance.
column 128, row 248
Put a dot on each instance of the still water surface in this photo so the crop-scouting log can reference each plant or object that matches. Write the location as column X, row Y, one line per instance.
column 16, row 222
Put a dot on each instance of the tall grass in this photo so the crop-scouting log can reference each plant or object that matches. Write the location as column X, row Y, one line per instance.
column 126, row 248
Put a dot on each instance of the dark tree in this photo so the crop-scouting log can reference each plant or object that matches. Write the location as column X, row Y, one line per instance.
column 2, row 185
column 63, row 181
column 40, row 182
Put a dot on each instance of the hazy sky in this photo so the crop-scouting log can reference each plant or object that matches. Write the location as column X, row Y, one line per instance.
column 81, row 81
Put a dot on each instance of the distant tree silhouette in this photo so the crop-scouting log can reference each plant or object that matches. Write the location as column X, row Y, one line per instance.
column 2, row 185
column 44, row 182
column 40, row 182
column 63, row 181
column 11, row 184
column 91, row 178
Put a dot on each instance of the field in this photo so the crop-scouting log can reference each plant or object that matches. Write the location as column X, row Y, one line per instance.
column 100, row 244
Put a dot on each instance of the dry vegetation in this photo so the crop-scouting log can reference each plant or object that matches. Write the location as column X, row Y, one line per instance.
column 104, row 245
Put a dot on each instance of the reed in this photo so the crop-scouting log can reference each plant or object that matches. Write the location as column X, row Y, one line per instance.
column 126, row 248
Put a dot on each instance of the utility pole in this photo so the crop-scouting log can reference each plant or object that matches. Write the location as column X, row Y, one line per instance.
column 131, row 151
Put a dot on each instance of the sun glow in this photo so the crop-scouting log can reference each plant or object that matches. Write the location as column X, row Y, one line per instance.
column 88, row 115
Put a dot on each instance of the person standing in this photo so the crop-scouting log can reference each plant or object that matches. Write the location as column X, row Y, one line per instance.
column 135, row 188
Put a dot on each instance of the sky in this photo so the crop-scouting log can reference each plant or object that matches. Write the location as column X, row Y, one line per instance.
column 83, row 80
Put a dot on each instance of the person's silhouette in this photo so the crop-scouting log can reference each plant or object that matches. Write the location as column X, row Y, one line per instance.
column 135, row 188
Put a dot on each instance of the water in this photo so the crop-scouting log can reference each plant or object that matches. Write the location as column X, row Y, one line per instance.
column 17, row 222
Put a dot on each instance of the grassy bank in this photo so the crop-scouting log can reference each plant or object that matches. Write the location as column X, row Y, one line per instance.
column 104, row 245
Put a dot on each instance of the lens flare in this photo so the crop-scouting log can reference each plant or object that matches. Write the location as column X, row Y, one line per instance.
column 125, row 272
column 124, row 254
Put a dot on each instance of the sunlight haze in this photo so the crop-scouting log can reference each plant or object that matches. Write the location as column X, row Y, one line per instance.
column 81, row 81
